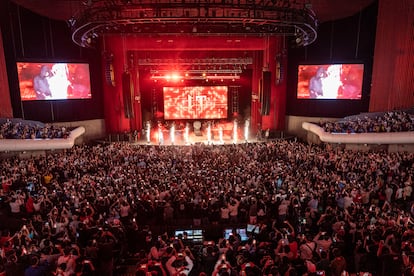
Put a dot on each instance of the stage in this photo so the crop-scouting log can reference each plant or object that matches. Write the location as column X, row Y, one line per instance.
column 195, row 140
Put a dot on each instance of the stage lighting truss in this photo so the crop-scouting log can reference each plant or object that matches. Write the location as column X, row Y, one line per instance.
column 291, row 18
column 195, row 68
column 206, row 77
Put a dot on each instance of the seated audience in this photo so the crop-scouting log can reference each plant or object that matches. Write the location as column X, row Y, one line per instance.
column 392, row 121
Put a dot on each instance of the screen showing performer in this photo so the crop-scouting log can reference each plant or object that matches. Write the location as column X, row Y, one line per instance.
column 330, row 81
column 53, row 81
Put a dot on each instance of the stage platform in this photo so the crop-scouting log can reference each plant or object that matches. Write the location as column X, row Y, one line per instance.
column 195, row 140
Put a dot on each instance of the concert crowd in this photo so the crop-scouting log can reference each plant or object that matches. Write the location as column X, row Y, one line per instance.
column 307, row 210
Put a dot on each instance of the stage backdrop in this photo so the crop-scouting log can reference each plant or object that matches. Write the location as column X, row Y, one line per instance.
column 118, row 47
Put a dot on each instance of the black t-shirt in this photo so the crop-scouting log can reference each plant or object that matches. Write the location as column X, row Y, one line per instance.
column 390, row 264
column 105, row 252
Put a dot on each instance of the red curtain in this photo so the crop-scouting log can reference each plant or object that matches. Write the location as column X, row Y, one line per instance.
column 6, row 110
column 276, row 118
column 393, row 71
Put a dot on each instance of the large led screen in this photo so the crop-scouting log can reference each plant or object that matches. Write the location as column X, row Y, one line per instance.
column 53, row 81
column 195, row 102
column 330, row 81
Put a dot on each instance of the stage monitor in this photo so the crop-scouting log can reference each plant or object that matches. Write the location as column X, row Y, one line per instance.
column 195, row 102
column 253, row 228
column 241, row 231
column 195, row 235
column 53, row 81
column 330, row 81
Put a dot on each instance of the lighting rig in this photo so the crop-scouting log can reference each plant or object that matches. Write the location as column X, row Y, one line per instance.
column 289, row 18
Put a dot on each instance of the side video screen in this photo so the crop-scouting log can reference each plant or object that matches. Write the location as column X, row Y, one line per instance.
column 53, row 81
column 330, row 81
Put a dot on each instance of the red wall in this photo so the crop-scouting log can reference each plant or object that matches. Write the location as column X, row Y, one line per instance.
column 5, row 103
column 393, row 71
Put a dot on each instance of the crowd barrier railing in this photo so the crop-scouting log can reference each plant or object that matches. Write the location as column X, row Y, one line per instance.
column 360, row 138
column 41, row 144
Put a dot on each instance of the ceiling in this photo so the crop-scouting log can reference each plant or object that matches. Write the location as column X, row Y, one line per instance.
column 296, row 19
column 325, row 10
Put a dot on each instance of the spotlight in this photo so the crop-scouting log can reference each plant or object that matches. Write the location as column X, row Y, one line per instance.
column 148, row 132
column 71, row 21
column 172, row 134
column 87, row 3
column 246, row 130
column 235, row 132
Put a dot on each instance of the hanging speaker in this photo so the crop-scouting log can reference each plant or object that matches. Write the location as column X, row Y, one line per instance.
column 260, row 90
column 131, row 59
column 128, row 94
column 266, row 87
column 279, row 69
column 109, row 69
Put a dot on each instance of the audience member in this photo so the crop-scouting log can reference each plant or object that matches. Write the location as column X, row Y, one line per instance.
column 392, row 121
column 315, row 209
